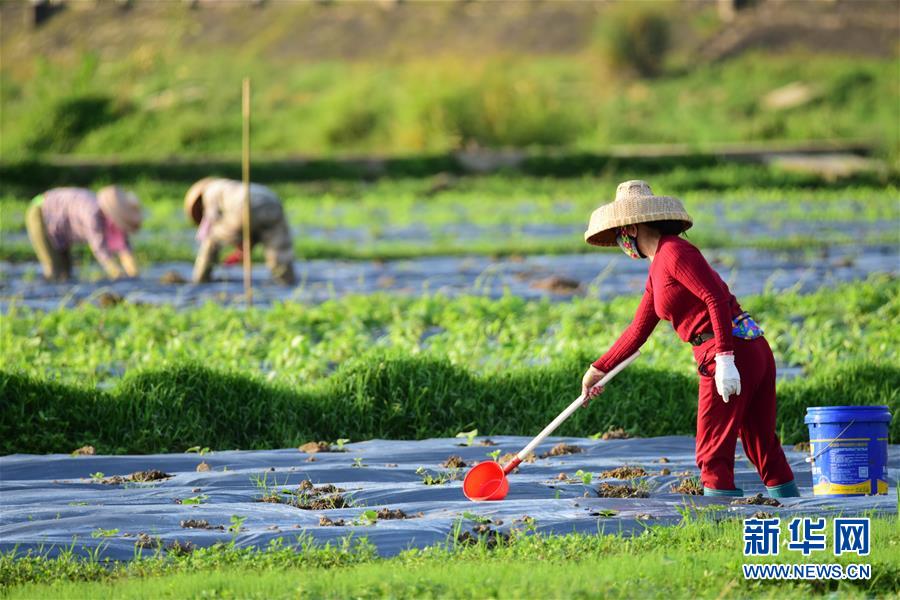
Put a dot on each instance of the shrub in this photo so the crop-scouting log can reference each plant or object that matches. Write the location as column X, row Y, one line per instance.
column 637, row 39
column 69, row 120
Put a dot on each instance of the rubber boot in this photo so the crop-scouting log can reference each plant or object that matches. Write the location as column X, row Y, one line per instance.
column 737, row 492
column 785, row 490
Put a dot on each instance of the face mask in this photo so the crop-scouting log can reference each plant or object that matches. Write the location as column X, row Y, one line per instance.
column 628, row 244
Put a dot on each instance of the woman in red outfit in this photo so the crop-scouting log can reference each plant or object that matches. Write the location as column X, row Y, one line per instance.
column 736, row 366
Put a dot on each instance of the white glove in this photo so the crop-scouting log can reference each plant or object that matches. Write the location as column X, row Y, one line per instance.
column 728, row 380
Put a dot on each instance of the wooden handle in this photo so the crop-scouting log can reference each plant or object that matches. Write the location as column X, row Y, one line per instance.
column 568, row 412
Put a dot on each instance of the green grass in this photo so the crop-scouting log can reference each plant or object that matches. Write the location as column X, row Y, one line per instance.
column 362, row 367
column 700, row 558
column 92, row 106
column 432, row 206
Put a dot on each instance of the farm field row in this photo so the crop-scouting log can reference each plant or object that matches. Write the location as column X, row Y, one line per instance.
column 506, row 215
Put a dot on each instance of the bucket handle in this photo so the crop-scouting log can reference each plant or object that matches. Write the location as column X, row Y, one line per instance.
column 810, row 459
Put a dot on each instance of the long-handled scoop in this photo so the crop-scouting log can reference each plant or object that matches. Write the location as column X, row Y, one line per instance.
column 487, row 480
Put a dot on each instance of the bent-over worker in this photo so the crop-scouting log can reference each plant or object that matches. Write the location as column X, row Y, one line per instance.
column 216, row 206
column 62, row 217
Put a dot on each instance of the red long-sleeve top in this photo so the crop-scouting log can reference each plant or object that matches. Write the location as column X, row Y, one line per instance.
column 683, row 289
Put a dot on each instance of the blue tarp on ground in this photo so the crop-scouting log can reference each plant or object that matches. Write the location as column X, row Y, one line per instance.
column 51, row 502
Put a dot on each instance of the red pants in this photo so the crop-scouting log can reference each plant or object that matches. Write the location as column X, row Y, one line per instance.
column 750, row 415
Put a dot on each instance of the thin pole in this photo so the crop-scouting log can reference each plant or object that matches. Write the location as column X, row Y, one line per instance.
column 248, row 263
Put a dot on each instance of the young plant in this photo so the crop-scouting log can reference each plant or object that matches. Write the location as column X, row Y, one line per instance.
column 369, row 517
column 199, row 499
column 339, row 444
column 495, row 455
column 439, row 478
column 104, row 533
column 476, row 518
column 198, row 450
column 236, row 525
column 469, row 436
column 97, row 477
column 358, row 462
column 586, row 476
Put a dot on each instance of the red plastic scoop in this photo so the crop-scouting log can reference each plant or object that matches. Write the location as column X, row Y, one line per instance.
column 487, row 480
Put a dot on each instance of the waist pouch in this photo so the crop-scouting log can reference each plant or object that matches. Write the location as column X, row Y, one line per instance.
column 745, row 328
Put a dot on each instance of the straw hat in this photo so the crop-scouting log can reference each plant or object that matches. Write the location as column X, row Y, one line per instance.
column 193, row 207
column 634, row 203
column 121, row 206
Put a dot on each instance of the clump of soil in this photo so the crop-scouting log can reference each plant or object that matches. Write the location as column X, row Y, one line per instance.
column 145, row 542
column 137, row 477
column 688, row 487
column 454, row 462
column 313, row 447
column 615, row 434
column 757, row 500
column 644, row 517
column 665, row 472
column 801, row 447
column 171, row 278
column 203, row 467
column 624, row 473
column 84, row 451
column 483, row 533
column 562, row 449
column 200, row 524
column 179, row 548
column 557, row 285
column 761, row 514
column 309, row 497
column 388, row 514
column 663, row 460
column 109, row 299
column 530, row 458
column 608, row 490
column 326, row 522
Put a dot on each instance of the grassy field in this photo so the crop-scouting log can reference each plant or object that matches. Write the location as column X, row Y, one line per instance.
column 434, row 78
column 110, row 107
column 494, row 211
column 149, row 379
column 701, row 558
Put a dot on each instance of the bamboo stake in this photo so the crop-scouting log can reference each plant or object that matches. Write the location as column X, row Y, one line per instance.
column 248, row 263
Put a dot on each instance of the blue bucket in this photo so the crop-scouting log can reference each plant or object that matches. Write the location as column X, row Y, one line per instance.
column 848, row 446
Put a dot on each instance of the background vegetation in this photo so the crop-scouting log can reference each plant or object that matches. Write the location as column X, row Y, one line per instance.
column 162, row 79
column 142, row 379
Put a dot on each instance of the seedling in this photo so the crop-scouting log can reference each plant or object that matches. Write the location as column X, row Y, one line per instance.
column 198, row 450
column 369, row 517
column 495, row 455
column 358, row 462
column 105, row 533
column 268, row 493
column 604, row 513
column 200, row 499
column 586, row 476
column 439, row 478
column 97, row 477
column 237, row 524
column 469, row 435
column 477, row 518
column 339, row 444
